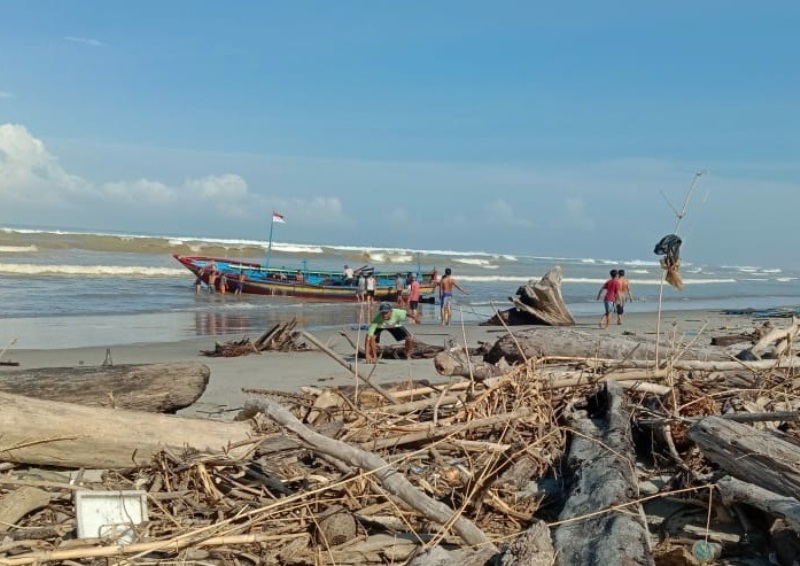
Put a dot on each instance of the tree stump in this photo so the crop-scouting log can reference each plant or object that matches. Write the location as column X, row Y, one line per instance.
column 539, row 302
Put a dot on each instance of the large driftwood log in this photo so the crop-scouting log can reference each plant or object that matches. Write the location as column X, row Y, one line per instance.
column 752, row 455
column 569, row 342
column 50, row 433
column 157, row 388
column 603, row 467
column 396, row 350
column 538, row 302
column 717, row 366
column 787, row 508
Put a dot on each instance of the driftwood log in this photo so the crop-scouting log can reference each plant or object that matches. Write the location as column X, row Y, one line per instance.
column 157, row 388
column 776, row 343
column 51, row 433
column 788, row 508
column 537, row 302
column 539, row 342
column 603, row 477
column 396, row 351
column 457, row 362
column 750, row 454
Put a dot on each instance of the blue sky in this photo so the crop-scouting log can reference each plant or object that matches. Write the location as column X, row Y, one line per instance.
column 516, row 127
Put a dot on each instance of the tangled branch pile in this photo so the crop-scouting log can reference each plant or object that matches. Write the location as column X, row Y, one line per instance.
column 281, row 337
column 505, row 468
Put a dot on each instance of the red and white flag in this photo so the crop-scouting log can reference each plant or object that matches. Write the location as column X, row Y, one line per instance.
column 278, row 217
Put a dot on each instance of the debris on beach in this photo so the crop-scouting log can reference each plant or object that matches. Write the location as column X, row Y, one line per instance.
column 670, row 248
column 4, row 350
column 281, row 337
column 538, row 302
column 682, row 455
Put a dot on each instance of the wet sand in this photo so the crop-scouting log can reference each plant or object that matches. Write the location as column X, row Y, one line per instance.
column 293, row 370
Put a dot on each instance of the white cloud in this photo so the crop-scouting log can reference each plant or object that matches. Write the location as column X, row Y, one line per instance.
column 28, row 173
column 6, row 94
column 85, row 41
column 33, row 180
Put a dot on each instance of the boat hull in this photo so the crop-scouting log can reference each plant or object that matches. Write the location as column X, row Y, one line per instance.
column 275, row 282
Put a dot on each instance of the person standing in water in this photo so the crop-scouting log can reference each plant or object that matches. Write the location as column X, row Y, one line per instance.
column 239, row 284
column 446, row 295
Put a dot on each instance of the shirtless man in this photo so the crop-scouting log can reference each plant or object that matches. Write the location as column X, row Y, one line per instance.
column 446, row 295
column 239, row 284
column 625, row 294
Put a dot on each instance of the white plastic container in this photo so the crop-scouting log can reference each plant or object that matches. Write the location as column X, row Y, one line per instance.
column 110, row 515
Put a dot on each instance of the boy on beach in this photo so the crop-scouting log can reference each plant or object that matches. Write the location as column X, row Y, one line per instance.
column 611, row 289
column 391, row 320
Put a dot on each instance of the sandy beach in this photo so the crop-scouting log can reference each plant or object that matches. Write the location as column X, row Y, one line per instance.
column 224, row 395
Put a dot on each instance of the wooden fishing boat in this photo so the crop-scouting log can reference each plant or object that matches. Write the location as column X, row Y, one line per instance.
column 303, row 284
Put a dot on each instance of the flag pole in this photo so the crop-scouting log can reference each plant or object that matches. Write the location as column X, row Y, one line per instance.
column 269, row 247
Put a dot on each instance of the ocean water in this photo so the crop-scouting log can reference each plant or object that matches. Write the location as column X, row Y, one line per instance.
column 61, row 289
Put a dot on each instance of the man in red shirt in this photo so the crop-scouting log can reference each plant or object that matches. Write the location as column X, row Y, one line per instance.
column 413, row 296
column 611, row 289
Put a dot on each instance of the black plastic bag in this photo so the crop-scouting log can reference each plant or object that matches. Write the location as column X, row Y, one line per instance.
column 670, row 246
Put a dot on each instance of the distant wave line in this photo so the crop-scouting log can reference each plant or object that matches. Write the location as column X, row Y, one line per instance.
column 18, row 249
column 92, row 270
column 582, row 280
column 155, row 243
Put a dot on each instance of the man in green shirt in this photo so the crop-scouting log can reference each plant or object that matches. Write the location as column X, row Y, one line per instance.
column 391, row 320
